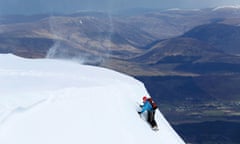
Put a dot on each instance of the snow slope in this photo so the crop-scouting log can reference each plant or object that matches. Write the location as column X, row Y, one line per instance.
column 61, row 102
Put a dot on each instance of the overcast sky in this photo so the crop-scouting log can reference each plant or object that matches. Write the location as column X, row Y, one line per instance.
column 70, row 6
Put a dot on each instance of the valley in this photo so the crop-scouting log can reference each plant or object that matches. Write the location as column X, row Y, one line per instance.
column 196, row 99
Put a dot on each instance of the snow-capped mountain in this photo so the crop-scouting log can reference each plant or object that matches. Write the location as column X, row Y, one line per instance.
column 227, row 7
column 60, row 102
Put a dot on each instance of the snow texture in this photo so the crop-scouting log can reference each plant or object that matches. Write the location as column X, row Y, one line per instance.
column 47, row 101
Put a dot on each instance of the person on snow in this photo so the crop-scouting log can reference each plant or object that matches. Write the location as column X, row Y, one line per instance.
column 150, row 107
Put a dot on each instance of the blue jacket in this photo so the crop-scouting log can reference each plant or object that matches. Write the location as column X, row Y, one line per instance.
column 146, row 107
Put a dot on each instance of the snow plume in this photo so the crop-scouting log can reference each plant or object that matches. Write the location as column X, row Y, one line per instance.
column 111, row 29
column 58, row 51
column 58, row 34
column 52, row 51
column 96, row 33
column 78, row 104
column 61, row 51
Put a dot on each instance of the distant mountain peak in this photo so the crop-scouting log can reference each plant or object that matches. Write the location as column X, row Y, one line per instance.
column 179, row 9
column 226, row 7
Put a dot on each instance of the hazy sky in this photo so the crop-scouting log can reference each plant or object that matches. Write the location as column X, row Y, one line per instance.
column 70, row 6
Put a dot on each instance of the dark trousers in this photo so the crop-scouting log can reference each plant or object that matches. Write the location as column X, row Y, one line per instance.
column 150, row 118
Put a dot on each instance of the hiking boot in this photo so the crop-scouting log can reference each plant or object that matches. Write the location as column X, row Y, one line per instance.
column 155, row 128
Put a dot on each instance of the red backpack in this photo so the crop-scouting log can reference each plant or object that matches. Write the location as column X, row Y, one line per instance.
column 154, row 105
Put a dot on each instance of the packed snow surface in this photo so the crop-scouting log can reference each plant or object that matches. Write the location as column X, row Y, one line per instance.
column 46, row 101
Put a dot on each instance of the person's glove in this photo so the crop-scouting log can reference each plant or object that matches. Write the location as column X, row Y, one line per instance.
column 139, row 113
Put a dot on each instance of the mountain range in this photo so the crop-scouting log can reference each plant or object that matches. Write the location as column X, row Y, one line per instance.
column 149, row 39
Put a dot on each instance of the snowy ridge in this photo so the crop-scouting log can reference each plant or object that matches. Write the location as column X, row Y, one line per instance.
column 59, row 102
column 226, row 7
column 180, row 9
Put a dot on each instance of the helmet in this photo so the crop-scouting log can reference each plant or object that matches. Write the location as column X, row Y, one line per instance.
column 144, row 98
